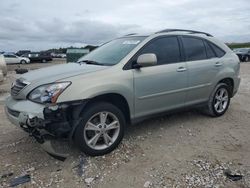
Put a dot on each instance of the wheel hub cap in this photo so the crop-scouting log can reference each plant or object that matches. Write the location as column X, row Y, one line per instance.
column 101, row 130
column 221, row 100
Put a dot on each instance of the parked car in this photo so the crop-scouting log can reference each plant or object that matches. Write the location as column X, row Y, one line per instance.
column 55, row 55
column 21, row 52
column 38, row 57
column 124, row 81
column 62, row 55
column 3, row 68
column 243, row 54
column 14, row 59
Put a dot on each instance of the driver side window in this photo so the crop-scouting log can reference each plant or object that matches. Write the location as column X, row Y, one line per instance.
column 166, row 50
column 9, row 56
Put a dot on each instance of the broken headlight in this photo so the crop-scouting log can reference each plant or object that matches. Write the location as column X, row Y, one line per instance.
column 48, row 93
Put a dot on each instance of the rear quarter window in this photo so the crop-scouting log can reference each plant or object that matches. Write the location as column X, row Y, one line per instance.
column 218, row 51
column 210, row 51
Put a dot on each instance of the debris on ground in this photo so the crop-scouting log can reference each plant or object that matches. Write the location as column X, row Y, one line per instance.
column 20, row 180
column 21, row 71
column 81, row 166
column 7, row 175
column 89, row 180
column 147, row 184
column 233, row 177
column 31, row 169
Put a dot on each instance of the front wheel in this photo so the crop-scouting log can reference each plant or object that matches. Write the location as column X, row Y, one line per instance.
column 23, row 62
column 101, row 129
column 219, row 100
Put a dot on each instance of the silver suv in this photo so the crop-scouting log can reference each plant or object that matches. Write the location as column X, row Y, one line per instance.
column 126, row 80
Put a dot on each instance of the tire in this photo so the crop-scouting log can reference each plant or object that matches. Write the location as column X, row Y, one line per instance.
column 23, row 62
column 246, row 59
column 44, row 60
column 90, row 126
column 216, row 100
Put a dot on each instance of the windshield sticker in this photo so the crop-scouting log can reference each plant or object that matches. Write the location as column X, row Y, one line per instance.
column 131, row 42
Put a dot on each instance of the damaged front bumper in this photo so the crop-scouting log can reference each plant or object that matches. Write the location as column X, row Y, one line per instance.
column 44, row 123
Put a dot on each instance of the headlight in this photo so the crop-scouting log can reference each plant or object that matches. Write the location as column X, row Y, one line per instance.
column 48, row 93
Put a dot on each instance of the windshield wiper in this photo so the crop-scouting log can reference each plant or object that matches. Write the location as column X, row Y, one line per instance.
column 90, row 62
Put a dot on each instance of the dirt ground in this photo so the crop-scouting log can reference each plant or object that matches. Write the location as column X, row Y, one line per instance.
column 186, row 149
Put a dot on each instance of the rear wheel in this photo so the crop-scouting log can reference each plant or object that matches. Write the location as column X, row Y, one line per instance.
column 219, row 100
column 101, row 129
column 44, row 61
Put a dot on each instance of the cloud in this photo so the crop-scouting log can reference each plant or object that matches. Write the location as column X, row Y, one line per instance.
column 43, row 24
column 42, row 34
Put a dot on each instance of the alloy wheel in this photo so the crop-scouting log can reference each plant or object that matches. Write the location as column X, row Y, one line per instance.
column 221, row 100
column 101, row 130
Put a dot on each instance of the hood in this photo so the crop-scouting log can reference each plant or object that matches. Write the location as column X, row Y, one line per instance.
column 51, row 74
column 58, row 72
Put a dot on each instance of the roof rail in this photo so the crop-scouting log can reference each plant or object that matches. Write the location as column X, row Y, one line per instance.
column 184, row 30
column 130, row 34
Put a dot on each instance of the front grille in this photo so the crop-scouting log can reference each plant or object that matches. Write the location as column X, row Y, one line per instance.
column 13, row 112
column 17, row 87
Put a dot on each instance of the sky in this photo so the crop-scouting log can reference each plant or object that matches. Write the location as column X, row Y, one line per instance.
column 43, row 24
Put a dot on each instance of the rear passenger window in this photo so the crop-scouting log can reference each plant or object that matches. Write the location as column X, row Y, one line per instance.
column 166, row 50
column 219, row 52
column 210, row 51
column 194, row 49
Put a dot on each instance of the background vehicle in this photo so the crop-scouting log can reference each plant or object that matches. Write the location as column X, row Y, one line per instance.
column 14, row 59
column 3, row 68
column 21, row 52
column 124, row 81
column 243, row 54
column 56, row 55
column 38, row 57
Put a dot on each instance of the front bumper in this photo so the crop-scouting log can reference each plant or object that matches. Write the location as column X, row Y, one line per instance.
column 29, row 116
column 19, row 111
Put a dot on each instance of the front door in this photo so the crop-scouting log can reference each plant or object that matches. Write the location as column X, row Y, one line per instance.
column 163, row 86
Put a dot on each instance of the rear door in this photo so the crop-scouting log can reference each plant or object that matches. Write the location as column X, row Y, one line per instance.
column 163, row 86
column 203, row 65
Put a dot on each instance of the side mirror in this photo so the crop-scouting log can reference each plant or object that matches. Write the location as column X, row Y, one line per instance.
column 145, row 60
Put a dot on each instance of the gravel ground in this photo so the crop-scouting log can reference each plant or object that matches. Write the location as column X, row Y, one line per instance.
column 186, row 149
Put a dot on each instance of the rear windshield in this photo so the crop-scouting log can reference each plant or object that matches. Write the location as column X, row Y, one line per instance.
column 114, row 51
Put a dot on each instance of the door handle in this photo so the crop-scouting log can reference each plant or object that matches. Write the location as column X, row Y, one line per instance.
column 218, row 64
column 181, row 69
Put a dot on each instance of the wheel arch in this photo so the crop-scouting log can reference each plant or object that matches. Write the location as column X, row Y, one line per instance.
column 116, row 99
column 230, row 82
column 23, row 60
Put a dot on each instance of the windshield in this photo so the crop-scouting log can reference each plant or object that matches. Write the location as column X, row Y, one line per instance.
column 112, row 52
column 244, row 50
